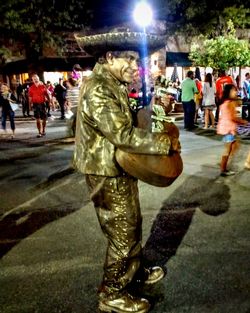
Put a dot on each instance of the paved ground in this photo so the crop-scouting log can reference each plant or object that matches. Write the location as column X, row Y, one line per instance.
column 52, row 248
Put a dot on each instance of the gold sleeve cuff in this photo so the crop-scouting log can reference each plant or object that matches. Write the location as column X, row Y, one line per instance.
column 163, row 143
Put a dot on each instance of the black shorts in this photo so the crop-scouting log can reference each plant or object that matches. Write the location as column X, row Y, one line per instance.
column 39, row 111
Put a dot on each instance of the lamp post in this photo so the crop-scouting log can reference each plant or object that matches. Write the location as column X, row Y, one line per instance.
column 143, row 16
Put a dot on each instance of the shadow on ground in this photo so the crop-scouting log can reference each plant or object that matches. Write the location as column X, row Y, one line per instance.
column 68, row 198
column 172, row 223
column 174, row 219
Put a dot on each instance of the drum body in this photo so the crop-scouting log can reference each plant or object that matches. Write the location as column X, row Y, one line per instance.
column 157, row 170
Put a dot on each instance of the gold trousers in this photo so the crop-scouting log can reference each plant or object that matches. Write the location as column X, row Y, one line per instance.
column 116, row 201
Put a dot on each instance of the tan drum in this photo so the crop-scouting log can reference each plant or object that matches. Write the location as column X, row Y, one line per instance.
column 157, row 170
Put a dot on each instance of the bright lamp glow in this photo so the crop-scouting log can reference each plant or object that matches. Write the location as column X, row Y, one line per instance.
column 143, row 14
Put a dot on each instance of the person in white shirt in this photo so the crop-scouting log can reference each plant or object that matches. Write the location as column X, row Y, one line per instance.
column 246, row 87
column 72, row 97
column 208, row 101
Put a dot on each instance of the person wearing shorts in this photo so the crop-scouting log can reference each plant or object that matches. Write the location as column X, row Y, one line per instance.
column 227, row 126
column 38, row 95
column 39, row 111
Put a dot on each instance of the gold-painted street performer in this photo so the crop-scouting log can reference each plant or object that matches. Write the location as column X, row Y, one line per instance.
column 104, row 124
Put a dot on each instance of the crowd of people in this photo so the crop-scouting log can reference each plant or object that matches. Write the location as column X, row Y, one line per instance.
column 42, row 98
column 214, row 101
column 222, row 96
column 199, row 99
column 207, row 96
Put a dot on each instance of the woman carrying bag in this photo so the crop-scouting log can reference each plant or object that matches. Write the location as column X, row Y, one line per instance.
column 7, row 99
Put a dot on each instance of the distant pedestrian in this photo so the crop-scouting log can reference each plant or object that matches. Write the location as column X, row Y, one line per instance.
column 19, row 91
column 25, row 98
column 38, row 95
column 188, row 88
column 197, row 99
column 77, row 74
column 246, row 87
column 221, row 82
column 208, row 101
column 227, row 126
column 150, row 96
column 6, row 98
column 72, row 97
column 50, row 103
column 177, row 86
column 60, row 94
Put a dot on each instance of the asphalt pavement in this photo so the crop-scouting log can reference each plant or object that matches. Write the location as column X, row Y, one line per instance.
column 52, row 249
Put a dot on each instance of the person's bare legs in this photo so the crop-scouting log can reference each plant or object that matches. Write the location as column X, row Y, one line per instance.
column 38, row 125
column 230, row 149
column 44, row 126
column 206, row 118
column 247, row 163
column 211, row 114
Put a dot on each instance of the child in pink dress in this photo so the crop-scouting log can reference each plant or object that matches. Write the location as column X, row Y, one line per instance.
column 227, row 126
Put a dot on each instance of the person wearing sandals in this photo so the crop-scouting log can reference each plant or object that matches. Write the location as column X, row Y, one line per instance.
column 227, row 126
column 208, row 101
column 38, row 95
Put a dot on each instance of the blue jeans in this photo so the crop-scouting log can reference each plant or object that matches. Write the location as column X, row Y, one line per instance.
column 189, row 113
column 11, row 115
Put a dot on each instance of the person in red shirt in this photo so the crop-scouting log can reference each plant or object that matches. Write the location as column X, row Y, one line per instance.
column 219, row 86
column 38, row 95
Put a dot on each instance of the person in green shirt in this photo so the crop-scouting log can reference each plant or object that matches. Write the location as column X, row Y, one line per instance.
column 188, row 88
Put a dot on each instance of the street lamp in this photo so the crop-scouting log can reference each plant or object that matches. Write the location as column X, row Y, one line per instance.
column 143, row 16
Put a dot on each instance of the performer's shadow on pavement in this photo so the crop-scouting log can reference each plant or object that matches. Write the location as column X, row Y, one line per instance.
column 211, row 195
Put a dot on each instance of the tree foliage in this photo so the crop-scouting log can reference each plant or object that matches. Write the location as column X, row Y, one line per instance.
column 208, row 17
column 222, row 52
column 35, row 23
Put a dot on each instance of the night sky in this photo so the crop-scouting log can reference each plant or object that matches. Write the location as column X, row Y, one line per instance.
column 113, row 12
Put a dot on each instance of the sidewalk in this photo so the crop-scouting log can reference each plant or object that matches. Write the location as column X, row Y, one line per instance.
column 53, row 249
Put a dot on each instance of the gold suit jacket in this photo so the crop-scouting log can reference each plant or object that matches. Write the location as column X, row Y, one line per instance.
column 104, row 123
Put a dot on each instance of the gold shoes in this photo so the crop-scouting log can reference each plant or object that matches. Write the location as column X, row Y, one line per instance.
column 124, row 303
column 154, row 274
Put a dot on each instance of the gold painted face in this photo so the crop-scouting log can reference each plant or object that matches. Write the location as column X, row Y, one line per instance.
column 125, row 66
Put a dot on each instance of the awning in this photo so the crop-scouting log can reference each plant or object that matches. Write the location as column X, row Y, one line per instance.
column 48, row 65
column 178, row 59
